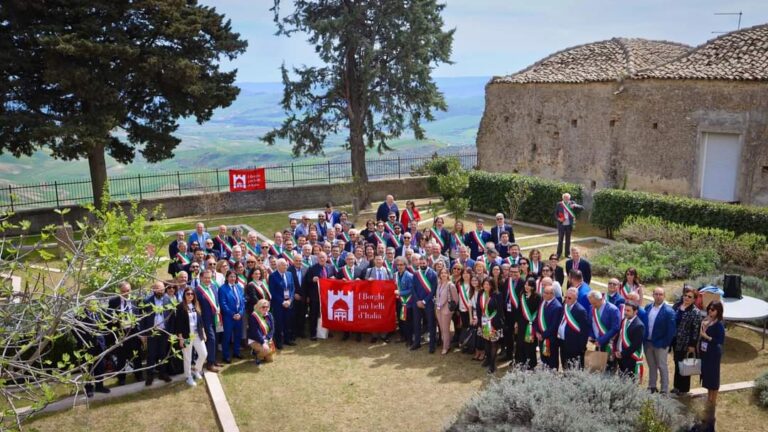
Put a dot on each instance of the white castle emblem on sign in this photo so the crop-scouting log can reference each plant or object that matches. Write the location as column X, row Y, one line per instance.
column 239, row 181
column 341, row 305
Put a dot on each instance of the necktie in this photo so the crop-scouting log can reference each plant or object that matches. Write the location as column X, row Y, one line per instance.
column 378, row 274
column 322, row 272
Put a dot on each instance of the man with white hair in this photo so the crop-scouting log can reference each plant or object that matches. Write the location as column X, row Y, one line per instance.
column 200, row 235
column 565, row 214
column 387, row 207
column 223, row 243
column 282, row 290
column 605, row 321
column 573, row 331
column 501, row 227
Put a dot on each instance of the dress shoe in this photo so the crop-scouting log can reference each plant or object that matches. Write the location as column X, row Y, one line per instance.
column 102, row 389
column 89, row 393
column 431, row 350
column 385, row 339
column 414, row 347
column 279, row 347
column 121, row 381
column 485, row 362
column 227, row 361
column 213, row 369
column 149, row 381
column 217, row 364
column 313, row 338
column 238, row 356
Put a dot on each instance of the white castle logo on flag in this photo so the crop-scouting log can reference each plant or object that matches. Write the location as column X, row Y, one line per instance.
column 341, row 305
column 239, row 181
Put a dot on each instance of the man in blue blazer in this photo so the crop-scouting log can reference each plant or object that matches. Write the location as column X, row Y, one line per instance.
column 548, row 319
column 476, row 239
column 387, row 207
column 578, row 263
column 232, row 301
column 661, row 330
column 210, row 314
column 573, row 331
column 606, row 321
column 424, row 289
column 282, row 290
column 157, row 324
column 576, row 280
column 405, row 294
column 500, row 227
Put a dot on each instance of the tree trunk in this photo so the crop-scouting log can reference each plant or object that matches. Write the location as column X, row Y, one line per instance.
column 359, row 170
column 98, row 167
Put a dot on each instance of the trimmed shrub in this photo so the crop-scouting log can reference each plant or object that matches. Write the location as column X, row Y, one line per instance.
column 545, row 400
column 487, row 194
column 612, row 206
column 654, row 262
column 739, row 249
column 761, row 390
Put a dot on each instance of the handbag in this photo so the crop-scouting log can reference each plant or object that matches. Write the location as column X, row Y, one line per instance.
column 595, row 361
column 689, row 366
column 453, row 306
column 468, row 339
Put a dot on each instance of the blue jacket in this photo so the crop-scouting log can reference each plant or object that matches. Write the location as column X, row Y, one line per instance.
column 644, row 318
column 664, row 328
column 256, row 333
column 553, row 313
column 229, row 304
column 616, row 299
column 611, row 319
column 207, row 313
column 420, row 291
column 276, row 289
column 577, row 341
column 474, row 247
column 583, row 299
column 406, row 282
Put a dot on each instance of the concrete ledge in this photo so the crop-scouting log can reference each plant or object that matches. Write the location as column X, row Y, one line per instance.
column 725, row 388
column 221, row 406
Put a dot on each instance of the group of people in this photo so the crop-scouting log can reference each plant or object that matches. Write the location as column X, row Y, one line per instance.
column 469, row 288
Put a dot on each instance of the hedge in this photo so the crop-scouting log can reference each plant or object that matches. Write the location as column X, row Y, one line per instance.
column 611, row 206
column 487, row 190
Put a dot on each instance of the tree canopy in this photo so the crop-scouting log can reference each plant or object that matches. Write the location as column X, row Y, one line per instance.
column 376, row 82
column 85, row 77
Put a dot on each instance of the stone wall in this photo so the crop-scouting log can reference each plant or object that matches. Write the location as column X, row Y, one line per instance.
column 269, row 200
column 645, row 134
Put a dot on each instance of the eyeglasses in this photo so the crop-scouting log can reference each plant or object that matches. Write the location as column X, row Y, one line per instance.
column 189, row 294
column 688, row 296
column 194, row 267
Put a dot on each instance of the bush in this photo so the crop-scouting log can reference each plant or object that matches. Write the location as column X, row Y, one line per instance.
column 750, row 285
column 738, row 249
column 438, row 166
column 654, row 262
column 612, row 206
column 487, row 194
column 761, row 390
column 544, row 400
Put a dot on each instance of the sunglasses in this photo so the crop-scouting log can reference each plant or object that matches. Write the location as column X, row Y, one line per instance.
column 688, row 296
column 189, row 294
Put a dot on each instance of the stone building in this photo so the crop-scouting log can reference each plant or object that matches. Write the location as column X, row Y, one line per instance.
column 646, row 115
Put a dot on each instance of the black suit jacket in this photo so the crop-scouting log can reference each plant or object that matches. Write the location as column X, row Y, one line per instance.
column 636, row 332
column 308, row 284
column 584, row 266
column 560, row 275
column 495, row 233
column 297, row 282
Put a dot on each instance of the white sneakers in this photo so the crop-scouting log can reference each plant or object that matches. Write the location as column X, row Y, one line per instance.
column 191, row 381
column 198, row 376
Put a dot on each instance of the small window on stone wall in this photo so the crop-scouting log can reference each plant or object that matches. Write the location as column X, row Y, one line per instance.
column 556, row 134
column 612, row 123
column 538, row 120
column 655, row 125
column 574, row 123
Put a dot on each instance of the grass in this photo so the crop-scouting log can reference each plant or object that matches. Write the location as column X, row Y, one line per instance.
column 350, row 386
column 175, row 406
column 736, row 411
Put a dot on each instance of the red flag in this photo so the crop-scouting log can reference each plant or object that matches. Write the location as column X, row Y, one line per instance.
column 247, row 180
column 358, row 306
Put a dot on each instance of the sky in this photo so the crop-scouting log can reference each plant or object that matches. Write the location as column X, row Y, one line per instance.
column 500, row 37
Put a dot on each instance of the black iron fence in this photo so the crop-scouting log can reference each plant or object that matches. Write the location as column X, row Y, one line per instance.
column 156, row 185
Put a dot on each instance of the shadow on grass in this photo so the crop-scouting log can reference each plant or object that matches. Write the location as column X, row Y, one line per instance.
column 738, row 351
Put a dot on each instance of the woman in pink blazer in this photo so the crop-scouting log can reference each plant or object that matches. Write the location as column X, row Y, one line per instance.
column 446, row 291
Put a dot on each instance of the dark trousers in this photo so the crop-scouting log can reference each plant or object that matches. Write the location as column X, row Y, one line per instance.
column 627, row 366
column 314, row 315
column 283, row 325
column 405, row 326
column 564, row 232
column 233, row 332
column 570, row 359
column 157, row 349
column 129, row 351
column 526, row 351
column 682, row 383
column 428, row 313
column 210, row 343
column 552, row 360
column 300, row 318
column 509, row 335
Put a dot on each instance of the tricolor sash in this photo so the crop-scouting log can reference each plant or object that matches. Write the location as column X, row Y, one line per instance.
column 242, row 279
column 348, row 273
column 390, row 266
column 421, row 275
column 411, row 216
column 530, row 317
column 570, row 320
column 395, row 240
column 263, row 323
column 597, row 319
column 567, row 208
column 458, row 240
column 626, row 290
column 534, row 268
column 390, row 227
column 273, row 250
column 210, row 297
column 182, row 258
column 511, row 295
column 479, row 241
column 285, row 255
column 335, row 263
column 251, row 250
column 347, row 239
column 225, row 244
column 639, row 355
column 540, row 318
column 464, row 295
column 404, row 306
column 485, row 300
column 380, row 238
column 436, row 236
column 263, row 289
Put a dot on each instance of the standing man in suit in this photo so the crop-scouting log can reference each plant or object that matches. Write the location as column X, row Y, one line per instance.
column 232, row 301
column 605, row 322
column 404, row 281
column 576, row 280
column 425, row 287
column 573, row 331
column 282, row 289
column 310, row 288
column 546, row 327
column 476, row 239
column 565, row 214
column 387, row 207
column 157, row 324
column 662, row 329
column 223, row 243
column 510, row 293
column 441, row 236
column 378, row 272
column 298, row 270
column 332, row 216
column 173, row 248
column 200, row 235
column 124, row 312
column 578, row 263
column 500, row 227
column 210, row 312
column 629, row 344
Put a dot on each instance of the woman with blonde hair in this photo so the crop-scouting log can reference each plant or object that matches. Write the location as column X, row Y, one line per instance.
column 446, row 297
column 261, row 329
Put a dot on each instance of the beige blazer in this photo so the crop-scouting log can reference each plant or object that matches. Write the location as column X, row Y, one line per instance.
column 444, row 293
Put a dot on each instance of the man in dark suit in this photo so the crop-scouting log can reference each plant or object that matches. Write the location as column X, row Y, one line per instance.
column 559, row 274
column 310, row 289
column 282, row 289
column 476, row 239
column 425, row 288
column 573, row 331
column 298, row 270
column 549, row 316
column 629, row 344
column 510, row 293
column 501, row 227
column 441, row 236
column 404, row 280
column 210, row 314
column 173, row 248
column 566, row 218
column 223, row 243
column 578, row 263
column 387, row 207
column 157, row 324
column 332, row 216
column 123, row 313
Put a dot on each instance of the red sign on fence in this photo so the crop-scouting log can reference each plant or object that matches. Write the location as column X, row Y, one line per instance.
column 247, row 180
column 358, row 306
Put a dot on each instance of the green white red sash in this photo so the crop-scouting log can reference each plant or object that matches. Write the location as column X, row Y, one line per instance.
column 626, row 290
column 263, row 323
column 534, row 269
column 263, row 289
column 390, row 227
column 458, row 240
column 570, row 320
column 210, row 297
column 251, row 250
column 273, row 250
column 348, row 273
column 567, row 208
column 421, row 275
column 485, row 300
column 242, row 279
column 639, row 355
column 545, row 344
column 597, row 319
column 411, row 216
column 511, row 295
column 464, row 295
column 390, row 266
column 478, row 236
column 335, row 263
column 285, row 255
column 395, row 240
column 404, row 306
column 530, row 317
column 347, row 239
column 380, row 238
column 182, row 258
column 225, row 244
column 436, row 236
